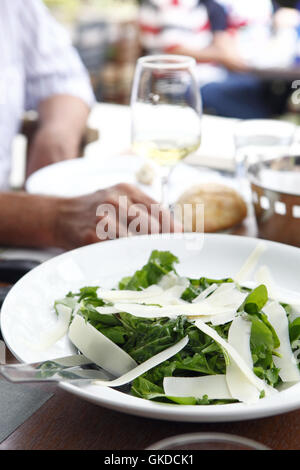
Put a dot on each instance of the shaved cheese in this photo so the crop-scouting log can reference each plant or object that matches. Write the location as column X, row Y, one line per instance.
column 151, row 295
column 214, row 386
column 171, row 311
column 250, row 263
column 129, row 295
column 223, row 318
column 221, row 306
column 107, row 310
column 171, row 296
column 239, row 385
column 227, row 295
column 175, row 291
column 236, row 358
column 264, row 276
column 51, row 337
column 170, row 280
column 205, row 293
column 287, row 364
column 98, row 348
column 145, row 366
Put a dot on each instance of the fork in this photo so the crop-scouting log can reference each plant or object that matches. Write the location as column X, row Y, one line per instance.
column 65, row 369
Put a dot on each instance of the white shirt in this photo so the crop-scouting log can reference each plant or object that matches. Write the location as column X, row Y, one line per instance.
column 37, row 61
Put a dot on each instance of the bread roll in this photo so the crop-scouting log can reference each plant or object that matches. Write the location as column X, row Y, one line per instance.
column 223, row 207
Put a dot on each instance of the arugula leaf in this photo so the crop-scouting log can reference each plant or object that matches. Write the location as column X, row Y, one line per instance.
column 294, row 329
column 159, row 264
column 262, row 345
column 255, row 301
column 147, row 337
column 197, row 286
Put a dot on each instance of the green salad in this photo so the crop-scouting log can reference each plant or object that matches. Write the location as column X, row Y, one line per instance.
column 187, row 341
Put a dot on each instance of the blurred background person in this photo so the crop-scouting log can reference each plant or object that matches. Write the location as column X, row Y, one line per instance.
column 219, row 35
column 41, row 71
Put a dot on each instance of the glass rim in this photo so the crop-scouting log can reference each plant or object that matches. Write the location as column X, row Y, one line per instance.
column 202, row 438
column 166, row 61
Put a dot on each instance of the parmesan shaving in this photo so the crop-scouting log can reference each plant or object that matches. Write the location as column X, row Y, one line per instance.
column 227, row 295
column 129, row 295
column 287, row 364
column 250, row 263
column 151, row 295
column 171, row 311
column 98, row 348
column 236, row 358
column 206, row 293
column 145, row 366
column 238, row 384
column 222, row 318
column 214, row 386
column 264, row 276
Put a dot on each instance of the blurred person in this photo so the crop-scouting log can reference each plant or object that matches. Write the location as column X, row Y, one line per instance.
column 207, row 30
column 42, row 221
column 40, row 70
column 189, row 27
column 265, row 37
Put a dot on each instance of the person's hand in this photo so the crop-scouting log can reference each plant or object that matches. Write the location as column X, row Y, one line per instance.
column 52, row 143
column 118, row 211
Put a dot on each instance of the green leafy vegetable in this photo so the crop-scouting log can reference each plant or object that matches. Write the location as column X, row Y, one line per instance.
column 159, row 264
column 143, row 338
column 197, row 286
column 255, row 301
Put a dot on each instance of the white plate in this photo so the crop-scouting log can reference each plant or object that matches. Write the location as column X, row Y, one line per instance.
column 82, row 176
column 27, row 311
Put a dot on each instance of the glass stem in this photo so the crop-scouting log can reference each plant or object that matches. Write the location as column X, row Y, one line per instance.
column 165, row 177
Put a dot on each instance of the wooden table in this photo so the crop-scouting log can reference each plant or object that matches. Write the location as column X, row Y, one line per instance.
column 66, row 422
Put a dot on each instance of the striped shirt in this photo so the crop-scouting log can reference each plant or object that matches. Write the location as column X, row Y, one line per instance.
column 166, row 24
column 191, row 24
column 37, row 61
column 250, row 22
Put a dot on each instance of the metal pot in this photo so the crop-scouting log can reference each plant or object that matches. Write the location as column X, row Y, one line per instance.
column 275, row 186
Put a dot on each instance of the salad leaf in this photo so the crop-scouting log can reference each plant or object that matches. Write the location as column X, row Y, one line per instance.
column 294, row 329
column 159, row 264
column 255, row 301
column 262, row 348
column 197, row 286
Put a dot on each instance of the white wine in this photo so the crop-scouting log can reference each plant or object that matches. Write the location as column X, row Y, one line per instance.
column 165, row 152
column 165, row 133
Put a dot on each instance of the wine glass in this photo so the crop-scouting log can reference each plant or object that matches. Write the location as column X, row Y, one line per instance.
column 166, row 112
column 256, row 140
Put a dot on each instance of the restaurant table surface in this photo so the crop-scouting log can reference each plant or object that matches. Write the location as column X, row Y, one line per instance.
column 66, row 422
